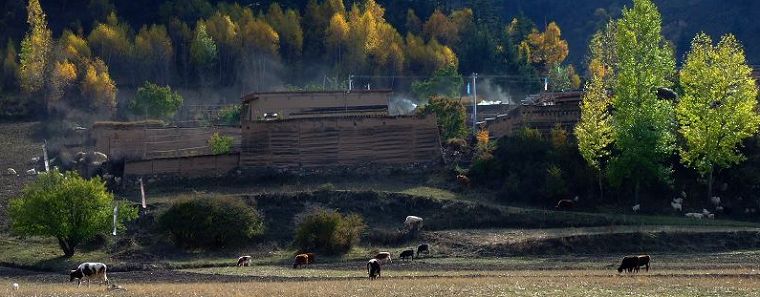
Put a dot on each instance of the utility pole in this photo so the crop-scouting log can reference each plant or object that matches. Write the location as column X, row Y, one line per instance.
column 474, row 102
column 350, row 82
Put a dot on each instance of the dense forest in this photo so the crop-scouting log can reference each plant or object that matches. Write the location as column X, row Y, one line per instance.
column 101, row 46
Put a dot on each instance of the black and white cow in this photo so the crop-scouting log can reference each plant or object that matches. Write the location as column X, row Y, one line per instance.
column 89, row 270
column 373, row 268
column 244, row 261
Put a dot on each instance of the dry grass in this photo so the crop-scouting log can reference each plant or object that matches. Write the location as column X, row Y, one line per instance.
column 555, row 285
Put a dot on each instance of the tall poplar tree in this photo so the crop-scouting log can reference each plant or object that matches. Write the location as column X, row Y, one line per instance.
column 719, row 106
column 594, row 131
column 643, row 123
column 35, row 50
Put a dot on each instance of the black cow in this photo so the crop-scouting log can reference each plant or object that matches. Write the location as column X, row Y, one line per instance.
column 423, row 248
column 407, row 254
column 628, row 264
column 89, row 270
column 565, row 204
column 373, row 268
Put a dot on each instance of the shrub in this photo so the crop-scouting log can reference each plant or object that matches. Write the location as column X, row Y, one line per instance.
column 229, row 115
column 328, row 232
column 67, row 207
column 211, row 222
column 220, row 144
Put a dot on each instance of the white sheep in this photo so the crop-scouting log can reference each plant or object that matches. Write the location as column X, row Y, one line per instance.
column 705, row 212
column 711, row 216
column 715, row 200
column 31, row 172
column 15, row 286
column 676, row 206
column 636, row 207
column 678, row 200
column 695, row 215
column 10, row 171
column 413, row 222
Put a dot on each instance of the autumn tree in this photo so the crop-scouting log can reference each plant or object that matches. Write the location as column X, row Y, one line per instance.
column 97, row 87
column 413, row 22
column 110, row 41
column 546, row 49
column 336, row 39
column 440, row 28
column 719, row 107
column 287, row 24
column 643, row 123
column 602, row 55
column 35, row 50
column 261, row 45
column 154, row 53
column 594, row 130
column 226, row 35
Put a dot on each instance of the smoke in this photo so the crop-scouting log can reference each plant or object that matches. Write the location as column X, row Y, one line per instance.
column 401, row 105
column 491, row 93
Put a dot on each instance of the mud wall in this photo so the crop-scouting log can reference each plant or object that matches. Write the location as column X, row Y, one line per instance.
column 340, row 141
column 196, row 166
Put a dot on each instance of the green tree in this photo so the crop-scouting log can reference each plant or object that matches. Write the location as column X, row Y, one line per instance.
column 594, row 131
column 67, row 207
column 35, row 50
column 450, row 114
column 328, row 232
column 643, row 123
column 719, row 107
column 203, row 51
column 445, row 82
column 155, row 101
column 220, row 144
column 287, row 24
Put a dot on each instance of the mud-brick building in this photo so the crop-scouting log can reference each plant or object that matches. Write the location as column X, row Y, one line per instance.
column 542, row 111
column 333, row 129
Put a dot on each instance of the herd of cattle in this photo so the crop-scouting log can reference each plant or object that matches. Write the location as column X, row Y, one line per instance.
column 93, row 270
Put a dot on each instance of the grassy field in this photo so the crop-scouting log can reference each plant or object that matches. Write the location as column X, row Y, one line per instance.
column 325, row 282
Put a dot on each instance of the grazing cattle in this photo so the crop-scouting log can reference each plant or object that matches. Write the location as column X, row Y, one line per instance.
column 463, row 181
column 565, row 204
column 301, row 260
column 385, row 257
column 413, row 222
column 373, row 268
column 89, row 270
column 423, row 248
column 407, row 254
column 628, row 264
column 311, row 258
column 642, row 260
column 244, row 261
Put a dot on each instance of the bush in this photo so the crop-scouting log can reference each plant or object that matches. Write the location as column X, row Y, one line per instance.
column 211, row 222
column 229, row 115
column 328, row 232
column 220, row 144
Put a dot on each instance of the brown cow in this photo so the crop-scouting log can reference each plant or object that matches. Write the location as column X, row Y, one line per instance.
column 642, row 260
column 301, row 260
column 407, row 254
column 463, row 181
column 312, row 258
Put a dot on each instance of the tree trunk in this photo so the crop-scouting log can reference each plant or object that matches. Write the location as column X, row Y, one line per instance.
column 68, row 248
column 709, row 184
column 601, row 189
column 636, row 192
